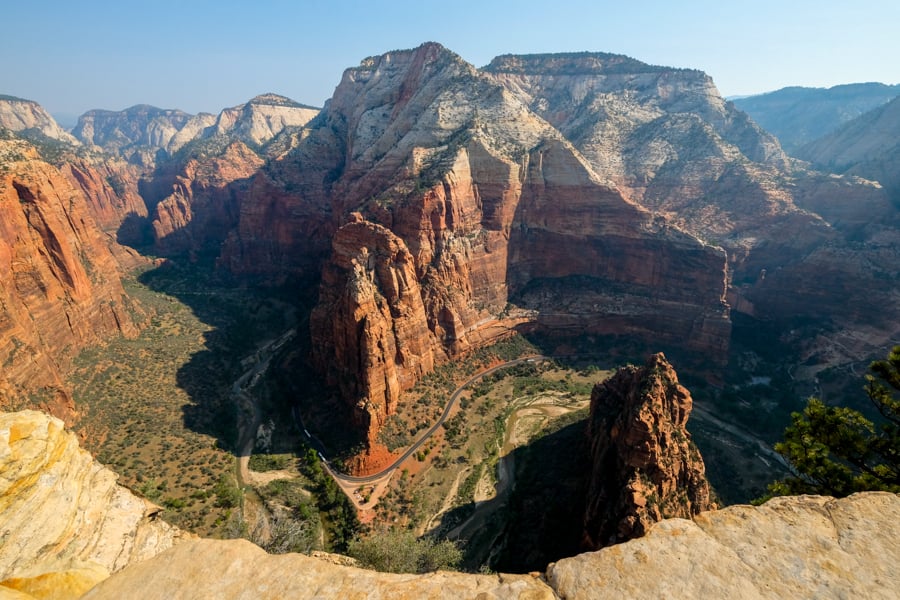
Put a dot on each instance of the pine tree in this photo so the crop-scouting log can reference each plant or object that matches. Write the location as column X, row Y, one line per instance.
column 836, row 451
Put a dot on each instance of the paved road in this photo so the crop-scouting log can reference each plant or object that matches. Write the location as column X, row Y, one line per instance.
column 349, row 479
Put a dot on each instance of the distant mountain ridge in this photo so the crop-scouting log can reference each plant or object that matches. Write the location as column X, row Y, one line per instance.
column 29, row 119
column 868, row 146
column 437, row 206
column 798, row 115
column 140, row 132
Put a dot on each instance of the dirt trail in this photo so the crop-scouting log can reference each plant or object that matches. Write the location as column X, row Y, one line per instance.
column 249, row 419
column 544, row 406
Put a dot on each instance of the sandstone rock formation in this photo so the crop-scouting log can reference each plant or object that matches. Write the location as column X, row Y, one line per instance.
column 59, row 282
column 65, row 526
column 376, row 321
column 204, row 204
column 476, row 202
column 566, row 190
column 141, row 132
column 111, row 188
column 64, row 522
column 644, row 466
column 195, row 169
column 238, row 569
column 30, row 118
column 575, row 193
column 260, row 119
column 800, row 115
column 798, row 242
column 801, row 547
column 792, row 547
column 135, row 133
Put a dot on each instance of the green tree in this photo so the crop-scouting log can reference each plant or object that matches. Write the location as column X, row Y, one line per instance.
column 836, row 451
column 227, row 493
column 399, row 551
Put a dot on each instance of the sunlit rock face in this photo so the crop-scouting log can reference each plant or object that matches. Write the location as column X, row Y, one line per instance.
column 796, row 547
column 799, row 242
column 454, row 199
column 65, row 522
column 60, row 288
column 30, row 118
column 67, row 529
column 644, row 467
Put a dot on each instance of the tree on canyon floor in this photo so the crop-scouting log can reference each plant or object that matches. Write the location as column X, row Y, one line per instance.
column 836, row 451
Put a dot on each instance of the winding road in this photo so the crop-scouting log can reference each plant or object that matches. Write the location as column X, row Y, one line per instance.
column 349, row 482
column 370, row 479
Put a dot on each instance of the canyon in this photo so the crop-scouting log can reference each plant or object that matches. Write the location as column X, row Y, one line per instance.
column 427, row 211
column 437, row 208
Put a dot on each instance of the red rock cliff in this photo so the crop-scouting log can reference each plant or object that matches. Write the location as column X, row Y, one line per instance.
column 644, row 466
column 471, row 201
column 59, row 283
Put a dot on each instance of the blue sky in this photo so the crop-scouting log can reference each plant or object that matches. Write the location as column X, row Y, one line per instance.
column 200, row 55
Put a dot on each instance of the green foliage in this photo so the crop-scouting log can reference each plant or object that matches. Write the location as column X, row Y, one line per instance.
column 295, row 520
column 395, row 433
column 269, row 462
column 227, row 493
column 836, row 451
column 399, row 551
column 338, row 513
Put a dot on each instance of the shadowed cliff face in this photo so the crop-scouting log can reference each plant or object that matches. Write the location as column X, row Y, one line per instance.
column 798, row 242
column 564, row 192
column 644, row 466
column 204, row 204
column 59, row 282
column 462, row 198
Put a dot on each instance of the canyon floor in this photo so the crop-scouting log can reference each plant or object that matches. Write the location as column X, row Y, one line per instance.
column 186, row 414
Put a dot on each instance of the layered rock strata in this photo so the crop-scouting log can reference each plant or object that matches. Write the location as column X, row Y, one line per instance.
column 644, row 467
column 142, row 134
column 452, row 200
column 59, row 282
column 64, row 522
column 135, row 134
column 801, row 245
column 204, row 204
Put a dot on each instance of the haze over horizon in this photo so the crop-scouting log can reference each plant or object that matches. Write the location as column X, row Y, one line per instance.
column 203, row 56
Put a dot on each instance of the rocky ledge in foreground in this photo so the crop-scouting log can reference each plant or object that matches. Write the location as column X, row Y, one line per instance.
column 793, row 547
column 64, row 525
column 64, row 522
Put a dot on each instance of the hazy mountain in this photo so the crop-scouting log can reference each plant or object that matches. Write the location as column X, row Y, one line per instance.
column 867, row 146
column 31, row 120
column 799, row 115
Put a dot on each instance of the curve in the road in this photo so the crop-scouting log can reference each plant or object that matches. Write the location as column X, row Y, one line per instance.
column 349, row 479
